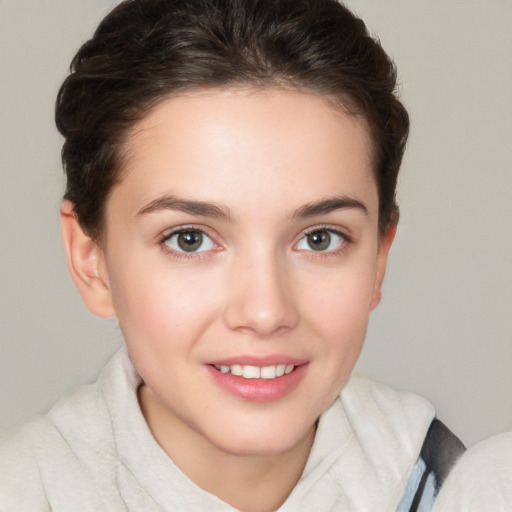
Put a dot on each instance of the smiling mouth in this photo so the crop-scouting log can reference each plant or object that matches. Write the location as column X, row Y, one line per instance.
column 256, row 372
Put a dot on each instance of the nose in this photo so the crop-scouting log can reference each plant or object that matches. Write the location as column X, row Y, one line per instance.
column 260, row 297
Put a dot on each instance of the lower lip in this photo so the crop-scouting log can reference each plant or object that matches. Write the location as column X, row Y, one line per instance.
column 259, row 390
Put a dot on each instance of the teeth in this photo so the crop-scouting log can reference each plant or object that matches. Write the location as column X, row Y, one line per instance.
column 251, row 372
column 255, row 372
column 280, row 368
column 237, row 369
column 268, row 372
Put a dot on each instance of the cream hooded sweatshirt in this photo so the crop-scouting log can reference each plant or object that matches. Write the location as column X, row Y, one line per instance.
column 94, row 452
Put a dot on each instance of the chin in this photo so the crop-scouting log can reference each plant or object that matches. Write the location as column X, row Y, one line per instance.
column 266, row 442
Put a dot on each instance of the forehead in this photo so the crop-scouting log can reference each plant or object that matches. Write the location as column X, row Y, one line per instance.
column 250, row 144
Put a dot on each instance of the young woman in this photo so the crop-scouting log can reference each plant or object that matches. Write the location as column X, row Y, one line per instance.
column 231, row 172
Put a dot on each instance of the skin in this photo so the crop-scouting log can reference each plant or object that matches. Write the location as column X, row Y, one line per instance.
column 256, row 288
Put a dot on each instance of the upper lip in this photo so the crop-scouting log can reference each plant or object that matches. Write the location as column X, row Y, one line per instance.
column 261, row 361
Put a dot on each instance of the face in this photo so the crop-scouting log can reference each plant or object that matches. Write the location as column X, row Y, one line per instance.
column 242, row 258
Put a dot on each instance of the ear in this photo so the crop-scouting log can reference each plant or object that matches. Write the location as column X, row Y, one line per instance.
column 86, row 264
column 382, row 261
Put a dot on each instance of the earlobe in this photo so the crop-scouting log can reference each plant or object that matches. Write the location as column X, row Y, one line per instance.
column 382, row 260
column 86, row 264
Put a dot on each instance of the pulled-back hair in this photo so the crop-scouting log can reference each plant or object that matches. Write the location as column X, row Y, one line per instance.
column 145, row 51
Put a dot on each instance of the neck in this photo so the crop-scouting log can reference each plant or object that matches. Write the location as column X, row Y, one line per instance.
column 250, row 483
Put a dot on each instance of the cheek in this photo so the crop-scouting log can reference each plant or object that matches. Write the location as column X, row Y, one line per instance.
column 162, row 304
column 341, row 302
column 338, row 315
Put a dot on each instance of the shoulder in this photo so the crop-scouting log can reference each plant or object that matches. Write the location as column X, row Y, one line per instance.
column 399, row 432
column 482, row 479
column 365, row 448
column 76, row 420
column 50, row 457
column 18, row 463
column 383, row 399
column 439, row 453
column 399, row 419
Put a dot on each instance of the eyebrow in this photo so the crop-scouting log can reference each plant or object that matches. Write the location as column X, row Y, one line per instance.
column 208, row 209
column 202, row 208
column 329, row 205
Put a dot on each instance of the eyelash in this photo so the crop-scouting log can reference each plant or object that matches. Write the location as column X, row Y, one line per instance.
column 346, row 242
column 164, row 239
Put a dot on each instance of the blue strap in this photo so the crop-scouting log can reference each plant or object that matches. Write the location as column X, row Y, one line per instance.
column 438, row 455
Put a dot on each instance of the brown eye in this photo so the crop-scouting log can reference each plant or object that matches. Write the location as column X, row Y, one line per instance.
column 189, row 240
column 321, row 240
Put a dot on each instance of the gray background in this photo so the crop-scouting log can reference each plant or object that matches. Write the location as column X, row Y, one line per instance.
column 444, row 328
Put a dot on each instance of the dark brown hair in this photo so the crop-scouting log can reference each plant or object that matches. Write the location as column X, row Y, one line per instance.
column 147, row 50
